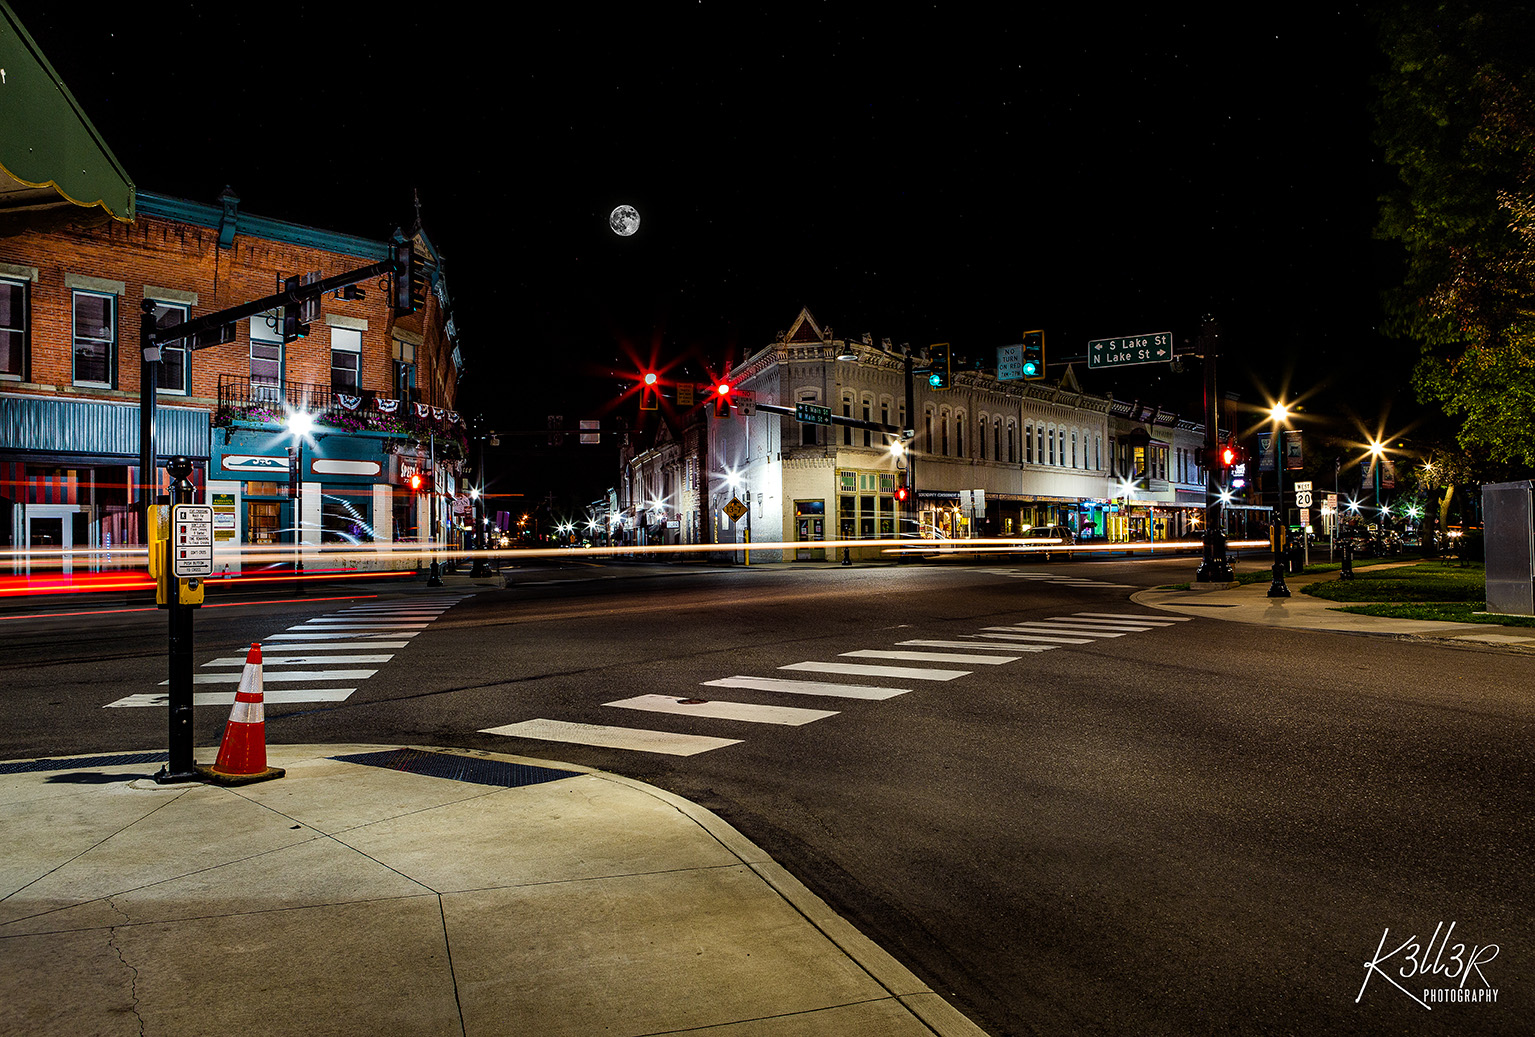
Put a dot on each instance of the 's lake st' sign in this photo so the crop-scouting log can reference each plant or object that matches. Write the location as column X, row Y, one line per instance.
column 1153, row 348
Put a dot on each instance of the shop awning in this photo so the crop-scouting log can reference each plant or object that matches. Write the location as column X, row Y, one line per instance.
column 51, row 157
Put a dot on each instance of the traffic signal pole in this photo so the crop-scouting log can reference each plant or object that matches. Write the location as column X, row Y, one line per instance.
column 1215, row 568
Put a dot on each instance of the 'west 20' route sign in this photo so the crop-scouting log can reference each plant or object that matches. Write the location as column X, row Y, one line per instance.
column 1154, row 348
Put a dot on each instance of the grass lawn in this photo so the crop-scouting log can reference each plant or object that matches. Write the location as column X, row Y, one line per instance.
column 1433, row 590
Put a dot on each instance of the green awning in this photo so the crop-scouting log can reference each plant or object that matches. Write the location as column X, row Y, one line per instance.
column 50, row 154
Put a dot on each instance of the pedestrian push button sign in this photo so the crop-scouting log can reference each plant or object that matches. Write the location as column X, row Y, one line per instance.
column 191, row 541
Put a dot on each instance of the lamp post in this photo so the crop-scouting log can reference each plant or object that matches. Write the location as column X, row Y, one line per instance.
column 1279, row 412
column 1377, row 453
column 299, row 426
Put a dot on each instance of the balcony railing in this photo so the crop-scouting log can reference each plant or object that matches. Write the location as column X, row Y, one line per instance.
column 251, row 399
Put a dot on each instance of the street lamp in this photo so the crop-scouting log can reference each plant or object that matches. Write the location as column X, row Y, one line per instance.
column 1277, row 589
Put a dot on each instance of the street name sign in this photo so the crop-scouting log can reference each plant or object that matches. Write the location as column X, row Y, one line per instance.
column 812, row 414
column 191, row 541
column 1152, row 348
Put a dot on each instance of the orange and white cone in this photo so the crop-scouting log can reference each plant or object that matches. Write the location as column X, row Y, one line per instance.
column 242, row 754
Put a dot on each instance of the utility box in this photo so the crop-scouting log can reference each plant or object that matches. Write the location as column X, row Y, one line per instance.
column 1508, row 521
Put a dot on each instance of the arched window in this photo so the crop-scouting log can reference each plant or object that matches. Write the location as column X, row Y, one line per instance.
column 1028, row 443
column 981, row 442
column 959, row 434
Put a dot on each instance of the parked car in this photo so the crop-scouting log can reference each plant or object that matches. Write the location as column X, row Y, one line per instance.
column 1047, row 537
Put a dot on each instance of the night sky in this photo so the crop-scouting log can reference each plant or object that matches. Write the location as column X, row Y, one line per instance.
column 923, row 177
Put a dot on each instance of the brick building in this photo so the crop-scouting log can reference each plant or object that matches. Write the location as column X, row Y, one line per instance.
column 381, row 389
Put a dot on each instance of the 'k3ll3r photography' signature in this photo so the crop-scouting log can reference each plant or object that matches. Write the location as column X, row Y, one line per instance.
column 1435, row 971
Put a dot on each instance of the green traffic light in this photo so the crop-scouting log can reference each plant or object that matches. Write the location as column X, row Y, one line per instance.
column 935, row 379
column 1030, row 369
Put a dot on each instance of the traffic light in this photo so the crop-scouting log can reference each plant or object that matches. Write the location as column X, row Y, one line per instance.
column 722, row 400
column 939, row 373
column 650, row 392
column 403, row 298
column 902, row 494
column 293, row 326
column 1229, row 455
column 1033, row 355
column 416, row 482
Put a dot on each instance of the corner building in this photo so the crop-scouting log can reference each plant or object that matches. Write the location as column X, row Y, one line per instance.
column 380, row 389
column 989, row 457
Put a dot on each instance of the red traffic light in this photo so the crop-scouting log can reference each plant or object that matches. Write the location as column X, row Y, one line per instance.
column 650, row 392
column 415, row 482
column 722, row 400
column 1228, row 456
column 902, row 494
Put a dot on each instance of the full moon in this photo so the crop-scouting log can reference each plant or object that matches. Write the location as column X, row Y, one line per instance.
column 624, row 220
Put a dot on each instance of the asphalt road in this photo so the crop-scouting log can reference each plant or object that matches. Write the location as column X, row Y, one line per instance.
column 1197, row 828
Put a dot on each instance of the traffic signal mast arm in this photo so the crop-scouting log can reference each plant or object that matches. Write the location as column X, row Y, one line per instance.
column 190, row 329
column 834, row 419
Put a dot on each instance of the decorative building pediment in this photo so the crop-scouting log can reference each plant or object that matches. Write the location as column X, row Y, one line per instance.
column 804, row 330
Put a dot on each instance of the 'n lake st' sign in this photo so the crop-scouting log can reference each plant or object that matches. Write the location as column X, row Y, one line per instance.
column 1153, row 348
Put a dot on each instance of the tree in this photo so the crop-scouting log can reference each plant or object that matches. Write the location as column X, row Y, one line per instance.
column 1456, row 118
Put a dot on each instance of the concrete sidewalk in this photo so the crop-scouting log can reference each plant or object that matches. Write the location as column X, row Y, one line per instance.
column 380, row 890
column 1301, row 611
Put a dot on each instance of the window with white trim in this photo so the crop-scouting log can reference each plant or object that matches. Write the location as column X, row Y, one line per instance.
column 13, row 328
column 345, row 359
column 95, row 338
column 266, row 359
column 175, row 370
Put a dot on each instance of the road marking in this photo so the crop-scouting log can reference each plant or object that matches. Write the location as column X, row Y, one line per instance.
column 861, row 670
column 226, row 698
column 1126, row 615
column 750, row 713
column 972, row 645
column 334, row 634
column 283, row 676
column 612, row 737
column 791, row 687
column 324, row 624
column 305, row 660
column 345, row 646
column 1101, row 624
column 1060, row 628
column 928, row 657
column 1051, row 639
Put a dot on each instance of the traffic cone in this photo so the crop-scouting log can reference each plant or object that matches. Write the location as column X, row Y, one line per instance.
column 242, row 755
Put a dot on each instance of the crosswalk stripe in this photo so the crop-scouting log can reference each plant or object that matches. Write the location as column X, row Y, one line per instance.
column 1100, row 624
column 862, row 670
column 344, row 646
column 612, row 737
column 307, row 660
column 1160, row 618
column 928, row 657
column 1011, row 635
column 746, row 711
column 277, row 696
column 1062, row 628
column 969, row 644
column 337, row 635
column 287, row 676
column 326, row 624
column 792, row 687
